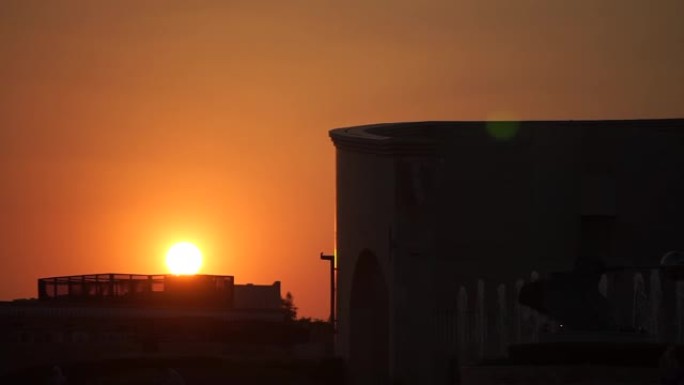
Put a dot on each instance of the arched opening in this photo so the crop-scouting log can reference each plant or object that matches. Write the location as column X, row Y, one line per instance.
column 369, row 313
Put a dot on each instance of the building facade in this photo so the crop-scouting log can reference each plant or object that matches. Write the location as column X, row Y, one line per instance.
column 109, row 316
column 425, row 209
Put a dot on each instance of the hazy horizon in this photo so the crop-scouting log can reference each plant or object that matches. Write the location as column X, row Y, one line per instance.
column 128, row 126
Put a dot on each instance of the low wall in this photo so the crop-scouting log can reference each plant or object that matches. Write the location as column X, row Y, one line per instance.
column 486, row 318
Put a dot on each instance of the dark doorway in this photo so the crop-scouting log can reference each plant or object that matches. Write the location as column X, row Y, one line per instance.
column 369, row 334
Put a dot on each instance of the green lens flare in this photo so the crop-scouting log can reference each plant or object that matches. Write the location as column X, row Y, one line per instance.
column 502, row 130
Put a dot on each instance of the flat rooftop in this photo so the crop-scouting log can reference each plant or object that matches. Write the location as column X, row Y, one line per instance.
column 214, row 290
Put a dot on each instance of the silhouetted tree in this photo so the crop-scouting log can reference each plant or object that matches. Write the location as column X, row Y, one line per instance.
column 289, row 307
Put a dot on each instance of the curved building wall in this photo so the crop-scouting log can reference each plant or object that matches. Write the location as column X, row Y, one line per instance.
column 365, row 184
column 444, row 204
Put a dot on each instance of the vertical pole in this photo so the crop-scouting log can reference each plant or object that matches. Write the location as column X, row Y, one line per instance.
column 332, row 292
column 331, row 259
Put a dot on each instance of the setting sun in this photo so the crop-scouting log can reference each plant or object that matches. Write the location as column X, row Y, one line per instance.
column 184, row 259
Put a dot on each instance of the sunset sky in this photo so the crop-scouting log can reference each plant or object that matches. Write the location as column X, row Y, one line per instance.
column 126, row 126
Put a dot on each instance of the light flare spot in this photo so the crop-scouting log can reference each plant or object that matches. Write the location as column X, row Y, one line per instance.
column 502, row 126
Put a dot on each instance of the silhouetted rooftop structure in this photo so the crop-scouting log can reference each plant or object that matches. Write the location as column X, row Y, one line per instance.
column 110, row 316
column 206, row 290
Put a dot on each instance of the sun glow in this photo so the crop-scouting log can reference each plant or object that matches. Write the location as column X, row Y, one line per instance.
column 184, row 259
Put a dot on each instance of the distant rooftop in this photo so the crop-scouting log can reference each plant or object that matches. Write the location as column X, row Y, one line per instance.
column 115, row 288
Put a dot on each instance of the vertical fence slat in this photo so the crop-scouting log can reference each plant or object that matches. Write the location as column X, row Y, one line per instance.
column 603, row 286
column 680, row 311
column 481, row 319
column 502, row 319
column 462, row 324
column 517, row 312
column 639, row 303
column 655, row 302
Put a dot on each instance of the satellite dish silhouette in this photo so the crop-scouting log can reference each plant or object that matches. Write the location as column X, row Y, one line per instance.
column 56, row 376
column 672, row 258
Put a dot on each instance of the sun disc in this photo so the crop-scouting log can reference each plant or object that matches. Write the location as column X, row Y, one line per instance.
column 184, row 258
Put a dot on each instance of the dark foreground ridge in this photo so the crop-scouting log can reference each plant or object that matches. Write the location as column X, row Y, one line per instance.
column 191, row 369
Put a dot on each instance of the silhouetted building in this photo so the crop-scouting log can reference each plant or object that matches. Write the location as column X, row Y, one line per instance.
column 137, row 289
column 200, row 290
column 250, row 296
column 103, row 316
column 439, row 223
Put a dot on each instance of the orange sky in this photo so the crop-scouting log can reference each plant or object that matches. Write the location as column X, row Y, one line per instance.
column 128, row 125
